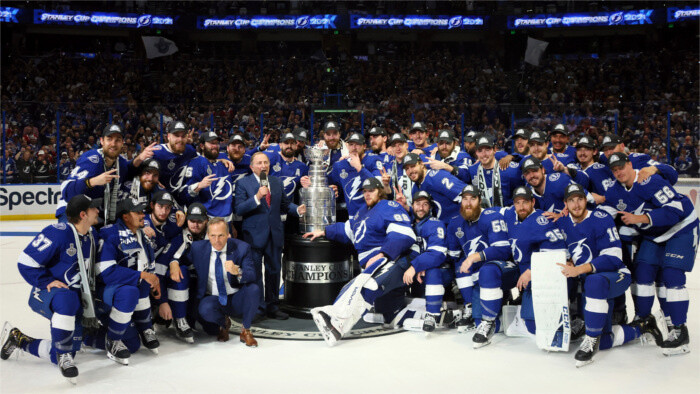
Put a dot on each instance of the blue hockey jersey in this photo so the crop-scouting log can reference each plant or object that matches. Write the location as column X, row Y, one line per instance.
column 552, row 199
column 290, row 173
column 641, row 160
column 91, row 164
column 349, row 180
column 120, row 247
column 165, row 233
column 594, row 240
column 600, row 178
column 427, row 150
column 567, row 157
column 445, row 190
column 217, row 197
column 669, row 211
column 511, row 178
column 174, row 168
column 430, row 248
column 461, row 161
column 534, row 234
column 384, row 228
column 487, row 234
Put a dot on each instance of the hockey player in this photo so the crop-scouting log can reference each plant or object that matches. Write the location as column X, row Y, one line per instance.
column 520, row 149
column 640, row 161
column 377, row 142
column 548, row 189
column 559, row 138
column 99, row 173
column 596, row 258
column 531, row 232
column 58, row 263
column 210, row 180
column 494, row 184
column 398, row 147
column 478, row 243
column 419, row 143
column 125, row 245
column 173, row 158
column 441, row 185
column 236, row 153
column 172, row 304
column 381, row 233
column 450, row 158
column 144, row 185
column 427, row 256
column 284, row 165
column 331, row 140
column 599, row 175
column 669, row 225
column 348, row 174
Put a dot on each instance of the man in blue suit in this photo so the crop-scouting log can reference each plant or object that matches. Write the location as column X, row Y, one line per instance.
column 261, row 204
column 225, row 282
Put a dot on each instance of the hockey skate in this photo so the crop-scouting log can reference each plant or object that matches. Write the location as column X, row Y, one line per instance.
column 323, row 321
column 149, row 340
column 484, row 333
column 648, row 325
column 117, row 351
column 677, row 342
column 183, row 330
column 429, row 323
column 12, row 339
column 466, row 321
column 67, row 367
column 585, row 353
column 578, row 328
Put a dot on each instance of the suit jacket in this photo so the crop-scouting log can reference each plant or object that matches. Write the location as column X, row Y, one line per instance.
column 237, row 251
column 261, row 222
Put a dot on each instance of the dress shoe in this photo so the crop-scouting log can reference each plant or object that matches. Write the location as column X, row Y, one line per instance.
column 223, row 331
column 277, row 314
column 248, row 339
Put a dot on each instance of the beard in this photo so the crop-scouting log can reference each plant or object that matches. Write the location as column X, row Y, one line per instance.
column 211, row 154
column 470, row 214
column 288, row 153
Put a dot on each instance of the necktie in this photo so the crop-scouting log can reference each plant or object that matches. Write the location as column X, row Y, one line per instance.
column 268, row 199
column 220, row 284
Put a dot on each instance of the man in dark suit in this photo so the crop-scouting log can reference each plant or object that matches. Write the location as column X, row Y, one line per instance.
column 261, row 208
column 226, row 282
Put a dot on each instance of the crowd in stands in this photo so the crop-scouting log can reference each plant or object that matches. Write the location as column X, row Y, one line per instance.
column 631, row 94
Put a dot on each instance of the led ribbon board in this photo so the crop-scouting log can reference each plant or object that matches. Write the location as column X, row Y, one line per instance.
column 112, row 19
column 441, row 22
column 620, row 18
column 9, row 14
column 271, row 22
column 674, row 14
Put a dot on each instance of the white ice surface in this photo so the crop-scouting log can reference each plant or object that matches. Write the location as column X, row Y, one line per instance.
column 401, row 363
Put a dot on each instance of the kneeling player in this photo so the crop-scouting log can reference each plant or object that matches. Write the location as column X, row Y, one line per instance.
column 55, row 264
column 596, row 253
column 482, row 237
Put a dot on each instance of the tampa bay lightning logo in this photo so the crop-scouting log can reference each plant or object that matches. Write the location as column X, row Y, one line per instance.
column 580, row 252
column 616, row 18
column 177, row 181
column 354, row 189
column 222, row 190
column 144, row 20
column 72, row 276
column 289, row 185
column 517, row 253
column 360, row 231
column 438, row 209
column 455, row 22
column 302, row 22
column 475, row 245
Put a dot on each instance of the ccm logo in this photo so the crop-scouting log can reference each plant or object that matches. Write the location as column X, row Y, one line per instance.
column 674, row 256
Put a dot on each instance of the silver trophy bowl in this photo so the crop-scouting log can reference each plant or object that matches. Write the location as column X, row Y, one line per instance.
column 318, row 197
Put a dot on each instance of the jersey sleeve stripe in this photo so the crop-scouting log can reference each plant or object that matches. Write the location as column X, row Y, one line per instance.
column 27, row 260
column 404, row 230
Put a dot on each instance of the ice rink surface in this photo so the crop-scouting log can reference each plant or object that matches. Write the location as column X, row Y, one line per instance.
column 407, row 362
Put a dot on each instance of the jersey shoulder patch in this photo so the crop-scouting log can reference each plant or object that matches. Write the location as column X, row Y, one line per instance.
column 542, row 221
column 598, row 166
column 489, row 211
column 646, row 181
column 393, row 204
column 432, row 172
column 600, row 214
column 553, row 177
column 94, row 159
column 59, row 226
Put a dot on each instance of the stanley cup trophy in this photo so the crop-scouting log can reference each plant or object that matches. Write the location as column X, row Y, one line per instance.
column 318, row 198
column 314, row 271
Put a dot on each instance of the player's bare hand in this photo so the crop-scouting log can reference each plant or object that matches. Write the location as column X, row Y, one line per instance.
column 408, row 275
column 165, row 312
column 386, row 177
column 301, row 210
column 180, row 217
column 151, row 279
column 553, row 216
column 305, row 181
column 355, row 162
column 439, row 165
column 418, row 151
column 505, row 162
column 645, row 173
column 262, row 192
column 228, row 163
column 400, row 198
column 374, row 259
column 206, row 182
column 335, row 190
column 56, row 284
column 558, row 166
column 630, row 218
column 568, row 270
column 147, row 153
column 104, row 178
column 265, row 143
column 155, row 292
column 175, row 272
column 150, row 232
column 598, row 198
column 314, row 234
column 524, row 280
column 420, row 277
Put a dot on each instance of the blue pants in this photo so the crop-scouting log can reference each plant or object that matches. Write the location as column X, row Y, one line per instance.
column 177, row 294
column 63, row 308
column 271, row 256
column 243, row 303
column 436, row 279
column 599, row 292
column 118, row 303
column 666, row 263
column 494, row 277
